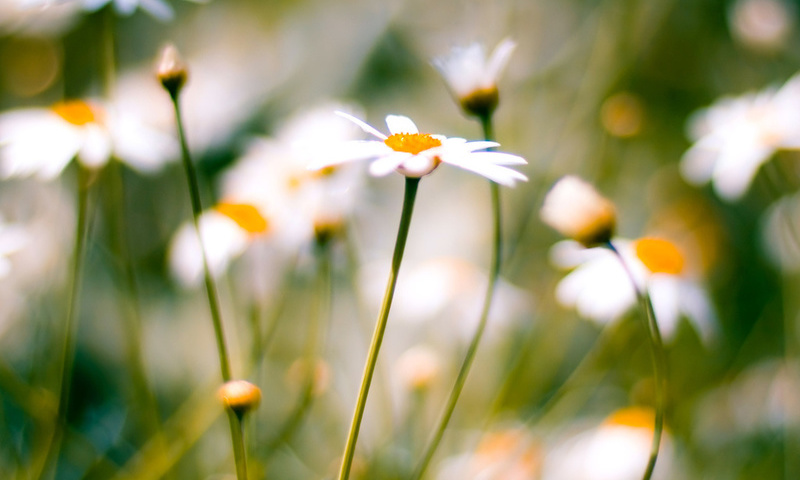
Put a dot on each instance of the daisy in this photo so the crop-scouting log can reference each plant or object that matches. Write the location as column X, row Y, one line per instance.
column 600, row 290
column 41, row 142
column 416, row 154
column 735, row 136
column 617, row 449
column 472, row 77
column 159, row 9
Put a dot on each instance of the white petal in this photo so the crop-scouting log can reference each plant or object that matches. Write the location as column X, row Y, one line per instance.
column 499, row 59
column 499, row 158
column 400, row 124
column 363, row 125
column 388, row 164
column 96, row 148
column 349, row 152
column 158, row 9
column 496, row 173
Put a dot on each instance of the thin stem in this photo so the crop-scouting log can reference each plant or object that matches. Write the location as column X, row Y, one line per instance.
column 197, row 209
column 67, row 356
column 659, row 359
column 472, row 349
column 377, row 337
column 237, row 437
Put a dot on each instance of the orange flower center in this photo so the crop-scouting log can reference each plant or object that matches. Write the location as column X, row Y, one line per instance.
column 246, row 216
column 412, row 143
column 635, row 417
column 76, row 112
column 660, row 256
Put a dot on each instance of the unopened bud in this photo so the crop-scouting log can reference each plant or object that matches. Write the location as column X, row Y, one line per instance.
column 171, row 71
column 240, row 396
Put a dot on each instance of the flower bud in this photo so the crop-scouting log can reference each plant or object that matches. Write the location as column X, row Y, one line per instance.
column 575, row 209
column 171, row 71
column 240, row 396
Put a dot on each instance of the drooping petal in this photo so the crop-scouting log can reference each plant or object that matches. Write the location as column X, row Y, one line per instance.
column 389, row 163
column 496, row 173
column 363, row 125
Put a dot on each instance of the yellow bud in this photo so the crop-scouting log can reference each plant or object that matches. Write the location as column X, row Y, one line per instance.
column 240, row 396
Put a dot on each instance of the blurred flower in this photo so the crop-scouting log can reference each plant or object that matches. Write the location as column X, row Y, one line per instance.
column 299, row 375
column 735, row 136
column 780, row 233
column 622, row 114
column 600, row 289
column 269, row 194
column 617, row 449
column 157, row 8
column 240, row 396
column 472, row 78
column 42, row 141
column 418, row 367
column 505, row 455
column 762, row 24
column 575, row 209
column 417, row 154
column 23, row 16
column 12, row 238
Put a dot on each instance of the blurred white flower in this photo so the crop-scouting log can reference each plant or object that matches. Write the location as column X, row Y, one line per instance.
column 509, row 454
column 27, row 17
column 472, row 77
column 735, row 136
column 416, row 154
column 269, row 193
column 418, row 367
column 617, row 449
column 42, row 141
column 780, row 233
column 762, row 24
column 600, row 289
column 159, row 9
column 575, row 209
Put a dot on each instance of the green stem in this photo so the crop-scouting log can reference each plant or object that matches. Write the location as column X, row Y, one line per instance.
column 472, row 349
column 659, row 359
column 377, row 337
column 237, row 437
column 197, row 209
column 70, row 326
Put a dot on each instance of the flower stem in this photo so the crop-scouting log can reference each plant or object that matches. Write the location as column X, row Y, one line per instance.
column 659, row 359
column 211, row 289
column 70, row 326
column 469, row 357
column 377, row 337
column 237, row 436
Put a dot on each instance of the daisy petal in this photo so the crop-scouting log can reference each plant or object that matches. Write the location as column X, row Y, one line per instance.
column 400, row 124
column 363, row 125
column 496, row 173
column 387, row 164
column 499, row 158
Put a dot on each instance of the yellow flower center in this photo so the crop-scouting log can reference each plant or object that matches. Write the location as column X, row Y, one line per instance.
column 412, row 143
column 635, row 417
column 246, row 216
column 660, row 256
column 76, row 112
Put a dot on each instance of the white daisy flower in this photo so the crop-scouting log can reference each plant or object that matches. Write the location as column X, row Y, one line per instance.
column 42, row 141
column 416, row 154
column 159, row 9
column 472, row 77
column 617, row 449
column 600, row 290
column 735, row 136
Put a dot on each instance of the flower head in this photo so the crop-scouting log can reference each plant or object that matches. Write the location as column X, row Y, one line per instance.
column 600, row 290
column 88, row 130
column 416, row 154
column 171, row 70
column 473, row 78
column 735, row 136
column 575, row 209
column 240, row 396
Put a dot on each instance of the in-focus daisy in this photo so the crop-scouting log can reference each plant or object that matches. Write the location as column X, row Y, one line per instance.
column 472, row 77
column 42, row 141
column 416, row 154
column 735, row 136
column 600, row 289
